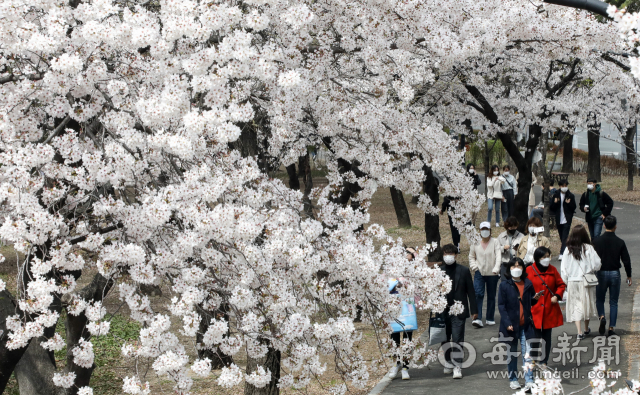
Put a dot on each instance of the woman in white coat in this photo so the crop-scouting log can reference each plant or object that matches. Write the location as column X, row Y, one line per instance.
column 580, row 259
column 494, row 193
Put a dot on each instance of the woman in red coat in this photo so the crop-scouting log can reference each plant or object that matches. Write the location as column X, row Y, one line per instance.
column 546, row 313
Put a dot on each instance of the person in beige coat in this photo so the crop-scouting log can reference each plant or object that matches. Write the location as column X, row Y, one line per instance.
column 484, row 259
column 532, row 240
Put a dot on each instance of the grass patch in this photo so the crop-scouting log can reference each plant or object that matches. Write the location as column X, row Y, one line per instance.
column 105, row 378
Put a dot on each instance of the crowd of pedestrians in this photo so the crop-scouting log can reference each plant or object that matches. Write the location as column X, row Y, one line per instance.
column 514, row 269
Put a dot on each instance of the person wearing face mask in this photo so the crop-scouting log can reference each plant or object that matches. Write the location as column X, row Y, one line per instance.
column 509, row 191
column 475, row 180
column 546, row 313
column 494, row 193
column 516, row 295
column 580, row 259
column 484, row 260
column 533, row 239
column 509, row 241
column 596, row 205
column 564, row 206
column 462, row 290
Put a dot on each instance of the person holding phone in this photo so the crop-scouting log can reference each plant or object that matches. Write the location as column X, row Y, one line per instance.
column 546, row 313
column 516, row 295
column 596, row 205
column 533, row 239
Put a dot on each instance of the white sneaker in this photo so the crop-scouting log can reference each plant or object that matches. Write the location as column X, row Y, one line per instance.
column 477, row 323
column 491, row 322
column 559, row 257
column 497, row 224
column 514, row 385
column 405, row 374
column 528, row 387
column 393, row 373
column 448, row 370
column 457, row 373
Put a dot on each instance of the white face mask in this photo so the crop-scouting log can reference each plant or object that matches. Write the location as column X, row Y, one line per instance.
column 485, row 233
column 495, row 173
column 545, row 262
column 589, row 186
column 471, row 171
column 531, row 230
column 564, row 189
column 506, row 173
column 516, row 272
column 449, row 259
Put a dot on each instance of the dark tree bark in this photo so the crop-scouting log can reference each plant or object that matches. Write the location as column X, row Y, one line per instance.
column 304, row 167
column 631, row 156
column 487, row 166
column 432, row 222
column 294, row 183
column 217, row 357
column 523, row 163
column 593, row 141
column 36, row 368
column 402, row 213
column 75, row 325
column 270, row 361
column 567, row 154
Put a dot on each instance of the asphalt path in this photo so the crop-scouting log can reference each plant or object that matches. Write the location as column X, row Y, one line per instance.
column 476, row 378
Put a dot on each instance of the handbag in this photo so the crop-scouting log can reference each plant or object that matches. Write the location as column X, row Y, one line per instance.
column 437, row 329
column 407, row 321
column 588, row 279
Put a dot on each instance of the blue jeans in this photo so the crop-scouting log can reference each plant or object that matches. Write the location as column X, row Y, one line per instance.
column 525, row 351
column 493, row 202
column 507, row 207
column 595, row 227
column 609, row 279
column 479, row 283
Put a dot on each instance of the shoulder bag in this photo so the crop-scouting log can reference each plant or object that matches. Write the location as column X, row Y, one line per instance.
column 588, row 279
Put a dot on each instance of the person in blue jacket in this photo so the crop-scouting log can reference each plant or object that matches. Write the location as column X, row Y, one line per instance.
column 515, row 298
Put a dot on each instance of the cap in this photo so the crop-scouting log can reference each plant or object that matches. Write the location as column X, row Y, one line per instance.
column 485, row 224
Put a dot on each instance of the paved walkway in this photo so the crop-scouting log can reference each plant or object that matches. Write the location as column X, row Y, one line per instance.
column 476, row 378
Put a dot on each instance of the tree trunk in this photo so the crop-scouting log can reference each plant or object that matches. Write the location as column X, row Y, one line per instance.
column 487, row 167
column 567, row 154
column 294, row 183
column 304, row 167
column 270, row 361
column 402, row 213
column 593, row 140
column 631, row 156
column 217, row 357
column 432, row 222
column 546, row 180
column 36, row 368
column 523, row 163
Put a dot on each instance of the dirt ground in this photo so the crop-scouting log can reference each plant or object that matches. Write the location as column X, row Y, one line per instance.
column 111, row 370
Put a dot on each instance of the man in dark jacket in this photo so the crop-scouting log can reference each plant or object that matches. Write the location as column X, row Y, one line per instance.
column 611, row 249
column 564, row 206
column 597, row 205
column 461, row 290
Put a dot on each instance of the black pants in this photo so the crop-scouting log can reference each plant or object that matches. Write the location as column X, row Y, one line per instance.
column 454, row 328
column 563, row 231
column 455, row 234
column 541, row 335
column 396, row 338
column 507, row 206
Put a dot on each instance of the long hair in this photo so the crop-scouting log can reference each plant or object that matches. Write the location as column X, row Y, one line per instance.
column 577, row 240
column 494, row 167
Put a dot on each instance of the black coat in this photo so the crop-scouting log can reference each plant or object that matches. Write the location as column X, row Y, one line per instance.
column 604, row 201
column 569, row 208
column 463, row 291
column 476, row 180
column 509, row 307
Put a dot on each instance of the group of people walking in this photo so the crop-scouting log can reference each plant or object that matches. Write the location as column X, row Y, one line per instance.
column 515, row 268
